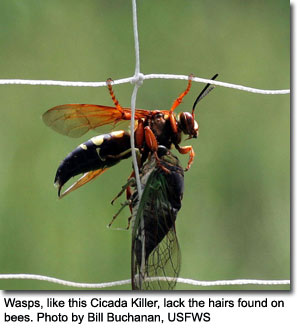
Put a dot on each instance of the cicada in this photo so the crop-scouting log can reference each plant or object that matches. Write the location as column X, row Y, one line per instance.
column 155, row 252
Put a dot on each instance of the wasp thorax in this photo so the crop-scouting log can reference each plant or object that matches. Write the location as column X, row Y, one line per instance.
column 188, row 125
column 158, row 123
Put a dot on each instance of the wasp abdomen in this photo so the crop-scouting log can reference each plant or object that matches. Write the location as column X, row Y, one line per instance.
column 99, row 152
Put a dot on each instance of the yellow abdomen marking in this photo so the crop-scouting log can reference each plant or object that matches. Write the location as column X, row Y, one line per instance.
column 98, row 140
column 83, row 146
column 117, row 134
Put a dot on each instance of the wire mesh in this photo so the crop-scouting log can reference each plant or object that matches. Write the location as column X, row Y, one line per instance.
column 137, row 80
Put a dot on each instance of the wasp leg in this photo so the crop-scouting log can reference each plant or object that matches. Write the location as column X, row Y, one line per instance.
column 185, row 150
column 139, row 134
column 178, row 101
column 160, row 165
column 128, row 224
column 129, row 220
column 113, row 97
column 129, row 193
column 125, row 115
column 153, row 146
column 130, row 183
column 127, row 203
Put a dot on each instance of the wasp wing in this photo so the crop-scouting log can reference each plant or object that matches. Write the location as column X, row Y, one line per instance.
column 87, row 177
column 155, row 249
column 74, row 120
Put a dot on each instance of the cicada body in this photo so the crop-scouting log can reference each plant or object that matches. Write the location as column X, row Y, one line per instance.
column 155, row 249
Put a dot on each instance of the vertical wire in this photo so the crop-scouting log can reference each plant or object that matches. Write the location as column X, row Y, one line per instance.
column 133, row 98
column 138, row 79
column 132, row 144
column 136, row 39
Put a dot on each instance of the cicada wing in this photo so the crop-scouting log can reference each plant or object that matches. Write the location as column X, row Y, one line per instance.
column 163, row 264
column 155, row 249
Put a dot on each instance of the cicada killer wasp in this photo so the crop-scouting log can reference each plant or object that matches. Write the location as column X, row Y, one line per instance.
column 155, row 250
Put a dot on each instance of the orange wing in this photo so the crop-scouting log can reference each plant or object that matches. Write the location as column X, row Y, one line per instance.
column 74, row 120
column 87, row 177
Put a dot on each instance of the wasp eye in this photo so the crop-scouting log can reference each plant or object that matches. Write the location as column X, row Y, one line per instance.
column 188, row 125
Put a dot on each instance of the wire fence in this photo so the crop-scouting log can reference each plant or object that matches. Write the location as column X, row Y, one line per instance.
column 137, row 81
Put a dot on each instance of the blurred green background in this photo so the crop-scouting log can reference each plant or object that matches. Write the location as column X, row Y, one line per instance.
column 235, row 218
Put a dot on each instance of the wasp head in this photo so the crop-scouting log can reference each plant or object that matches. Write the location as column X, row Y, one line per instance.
column 188, row 124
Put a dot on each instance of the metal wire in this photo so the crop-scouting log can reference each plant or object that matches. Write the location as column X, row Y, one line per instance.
column 137, row 82
column 140, row 78
column 128, row 281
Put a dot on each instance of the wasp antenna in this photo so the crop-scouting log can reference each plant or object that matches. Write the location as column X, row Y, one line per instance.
column 204, row 92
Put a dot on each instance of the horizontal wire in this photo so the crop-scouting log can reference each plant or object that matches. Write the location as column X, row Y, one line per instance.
column 128, row 281
column 219, row 83
column 141, row 77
